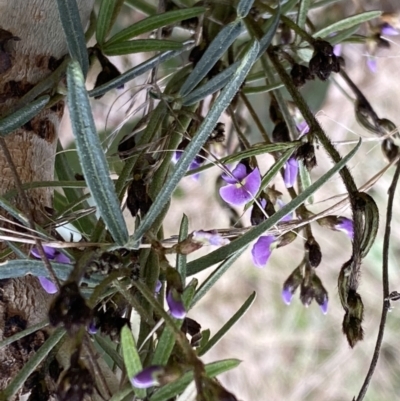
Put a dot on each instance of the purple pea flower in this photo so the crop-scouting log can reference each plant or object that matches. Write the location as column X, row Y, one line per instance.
column 196, row 162
column 291, row 170
column 175, row 303
column 242, row 185
column 372, row 64
column 56, row 256
column 346, row 225
column 388, row 30
column 262, row 250
column 287, row 295
column 158, row 287
column 148, row 377
column 324, row 306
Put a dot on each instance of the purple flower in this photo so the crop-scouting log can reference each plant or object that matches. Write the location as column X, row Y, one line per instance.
column 158, row 286
column 346, row 225
column 324, row 306
column 261, row 251
column 196, row 162
column 175, row 303
column 52, row 254
column 148, row 377
column 92, row 327
column 388, row 30
column 291, row 170
column 242, row 186
column 337, row 50
column 209, row 238
column 48, row 285
column 287, row 295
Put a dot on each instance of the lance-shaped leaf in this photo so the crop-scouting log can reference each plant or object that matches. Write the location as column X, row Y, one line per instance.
column 244, row 7
column 140, row 45
column 10, row 123
column 347, row 23
column 140, row 69
column 271, row 28
column 213, row 85
column 215, row 50
column 227, row 250
column 197, row 142
column 302, row 15
column 155, row 22
column 104, row 18
column 74, row 35
column 91, row 155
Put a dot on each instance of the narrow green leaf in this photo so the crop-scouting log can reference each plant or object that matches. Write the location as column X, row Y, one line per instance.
column 305, row 179
column 32, row 364
column 255, row 90
column 215, row 276
column 178, row 386
column 107, row 346
column 23, row 333
column 222, row 253
column 271, row 27
column 104, row 17
column 302, row 15
column 22, row 267
column 347, row 23
column 197, row 142
column 227, row 326
column 214, row 52
column 181, row 259
column 243, row 8
column 371, row 218
column 141, row 45
column 210, row 87
column 343, row 35
column 73, row 30
column 122, row 394
column 91, row 155
column 140, row 69
column 20, row 117
column 131, row 357
column 155, row 22
column 13, row 211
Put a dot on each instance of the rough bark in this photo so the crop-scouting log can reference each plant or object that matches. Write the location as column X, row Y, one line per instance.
column 23, row 63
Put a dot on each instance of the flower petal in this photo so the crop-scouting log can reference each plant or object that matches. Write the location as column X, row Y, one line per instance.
column 287, row 296
column 237, row 175
column 291, row 171
column 252, row 182
column 48, row 285
column 372, row 64
column 61, row 258
column 345, row 225
column 235, row 196
column 261, row 251
column 49, row 251
column 176, row 307
column 209, row 238
column 148, row 377
column 388, row 30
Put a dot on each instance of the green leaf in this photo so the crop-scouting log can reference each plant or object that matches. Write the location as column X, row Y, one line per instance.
column 197, row 142
column 141, row 45
column 243, row 8
column 222, row 253
column 255, row 90
column 131, row 357
column 347, row 23
column 215, row 276
column 122, row 394
column 23, row 333
column 272, row 26
column 140, row 69
column 142, row 6
column 181, row 259
column 21, row 377
column 107, row 346
column 305, row 179
column 214, row 52
column 104, row 18
column 72, row 26
column 13, row 211
column 155, row 22
column 210, row 87
column 302, row 15
column 91, row 156
column 227, row 326
column 178, row 386
column 20, row 117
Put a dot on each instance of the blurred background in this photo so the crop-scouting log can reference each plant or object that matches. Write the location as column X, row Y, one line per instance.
column 289, row 352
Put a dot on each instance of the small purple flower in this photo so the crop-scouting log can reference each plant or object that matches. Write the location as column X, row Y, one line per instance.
column 92, row 327
column 196, row 162
column 346, row 225
column 175, row 303
column 148, row 377
column 52, row 254
column 209, row 238
column 287, row 296
column 337, row 50
column 242, row 186
column 291, row 170
column 47, row 285
column 158, row 286
column 289, row 216
column 388, row 30
column 324, row 307
column 261, row 251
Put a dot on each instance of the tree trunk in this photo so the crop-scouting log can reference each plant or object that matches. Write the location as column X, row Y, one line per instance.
column 37, row 42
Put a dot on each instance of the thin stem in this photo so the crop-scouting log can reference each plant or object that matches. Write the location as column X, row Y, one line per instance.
column 385, row 285
column 28, row 211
